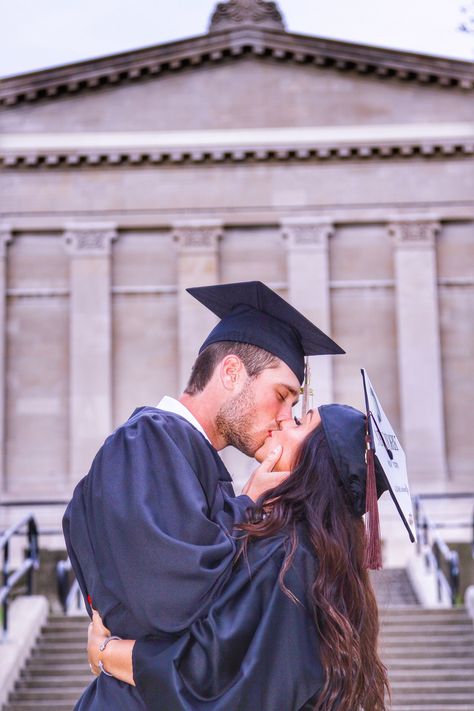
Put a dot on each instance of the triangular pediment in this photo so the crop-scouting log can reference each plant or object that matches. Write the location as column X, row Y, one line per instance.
column 232, row 44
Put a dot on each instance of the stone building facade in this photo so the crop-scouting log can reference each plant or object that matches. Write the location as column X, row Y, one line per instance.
column 341, row 175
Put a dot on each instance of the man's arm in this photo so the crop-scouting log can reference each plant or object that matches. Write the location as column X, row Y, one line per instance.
column 153, row 539
column 255, row 646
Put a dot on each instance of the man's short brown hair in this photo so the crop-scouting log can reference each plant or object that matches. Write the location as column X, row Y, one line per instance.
column 255, row 360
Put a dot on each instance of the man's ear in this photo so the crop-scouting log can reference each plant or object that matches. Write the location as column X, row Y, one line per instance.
column 232, row 372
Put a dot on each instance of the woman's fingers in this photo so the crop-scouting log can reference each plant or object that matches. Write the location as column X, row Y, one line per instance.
column 99, row 626
column 270, row 460
column 264, row 478
column 96, row 634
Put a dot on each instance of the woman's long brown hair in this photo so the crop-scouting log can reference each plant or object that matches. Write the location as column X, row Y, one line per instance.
column 342, row 598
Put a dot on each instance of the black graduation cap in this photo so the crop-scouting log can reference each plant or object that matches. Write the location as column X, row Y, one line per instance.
column 370, row 460
column 345, row 431
column 252, row 313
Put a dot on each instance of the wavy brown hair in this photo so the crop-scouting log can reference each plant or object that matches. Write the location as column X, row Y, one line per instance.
column 342, row 598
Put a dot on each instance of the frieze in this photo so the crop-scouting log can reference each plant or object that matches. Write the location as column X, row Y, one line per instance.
column 90, row 240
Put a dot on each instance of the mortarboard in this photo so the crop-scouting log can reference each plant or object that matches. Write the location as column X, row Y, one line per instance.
column 252, row 313
column 369, row 460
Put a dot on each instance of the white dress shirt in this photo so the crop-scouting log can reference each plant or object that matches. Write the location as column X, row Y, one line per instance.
column 171, row 405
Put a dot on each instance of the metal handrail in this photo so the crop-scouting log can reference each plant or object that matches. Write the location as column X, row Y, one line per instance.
column 69, row 595
column 27, row 568
column 436, row 550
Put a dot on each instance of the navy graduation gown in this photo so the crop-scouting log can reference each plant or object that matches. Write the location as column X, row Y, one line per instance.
column 256, row 648
column 149, row 535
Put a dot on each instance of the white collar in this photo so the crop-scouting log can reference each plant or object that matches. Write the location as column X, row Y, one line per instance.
column 171, row 405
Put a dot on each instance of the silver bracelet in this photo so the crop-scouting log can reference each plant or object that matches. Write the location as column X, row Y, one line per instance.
column 101, row 649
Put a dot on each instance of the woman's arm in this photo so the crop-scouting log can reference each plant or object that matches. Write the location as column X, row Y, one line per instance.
column 116, row 657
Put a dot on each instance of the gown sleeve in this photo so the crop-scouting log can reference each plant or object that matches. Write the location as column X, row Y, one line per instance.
column 159, row 520
column 256, row 649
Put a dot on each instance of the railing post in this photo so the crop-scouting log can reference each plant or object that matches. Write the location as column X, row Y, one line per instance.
column 454, row 574
column 472, row 547
column 32, row 553
column 425, row 531
column 6, row 556
column 417, row 504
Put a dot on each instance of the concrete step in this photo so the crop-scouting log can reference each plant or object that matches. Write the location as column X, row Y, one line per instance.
column 436, row 638
column 71, row 694
column 433, row 706
column 46, row 670
column 405, row 653
column 434, row 687
column 56, row 705
column 437, row 665
column 57, row 680
column 438, row 701
column 60, row 647
column 419, row 619
column 430, row 675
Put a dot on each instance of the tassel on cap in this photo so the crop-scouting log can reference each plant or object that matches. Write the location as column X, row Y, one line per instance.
column 373, row 551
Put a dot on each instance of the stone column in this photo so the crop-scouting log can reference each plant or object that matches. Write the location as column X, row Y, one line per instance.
column 5, row 239
column 197, row 244
column 419, row 352
column 89, row 246
column 308, row 288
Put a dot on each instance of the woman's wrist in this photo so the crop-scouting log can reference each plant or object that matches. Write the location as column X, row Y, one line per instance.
column 105, row 654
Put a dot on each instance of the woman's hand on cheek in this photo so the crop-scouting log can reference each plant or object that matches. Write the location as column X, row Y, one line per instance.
column 97, row 634
column 264, row 478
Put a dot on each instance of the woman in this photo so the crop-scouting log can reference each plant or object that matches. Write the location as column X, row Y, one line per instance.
column 296, row 625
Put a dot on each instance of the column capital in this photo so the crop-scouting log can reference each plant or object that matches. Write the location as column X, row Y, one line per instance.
column 89, row 239
column 5, row 238
column 414, row 233
column 306, row 233
column 197, row 236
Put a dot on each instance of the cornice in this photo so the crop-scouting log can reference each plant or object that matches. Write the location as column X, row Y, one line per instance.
column 219, row 46
column 237, row 146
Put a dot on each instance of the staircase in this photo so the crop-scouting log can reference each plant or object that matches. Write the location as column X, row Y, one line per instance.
column 57, row 672
column 430, row 658
column 429, row 654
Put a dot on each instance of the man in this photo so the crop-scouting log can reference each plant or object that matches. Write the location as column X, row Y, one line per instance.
column 149, row 529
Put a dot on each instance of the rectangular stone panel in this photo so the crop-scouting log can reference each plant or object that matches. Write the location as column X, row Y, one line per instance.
column 144, row 258
column 248, row 253
column 37, row 260
column 363, row 323
column 455, row 251
column 359, row 252
column 145, row 359
column 37, row 396
column 456, row 311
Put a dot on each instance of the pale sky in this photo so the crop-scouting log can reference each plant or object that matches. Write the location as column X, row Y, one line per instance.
column 42, row 33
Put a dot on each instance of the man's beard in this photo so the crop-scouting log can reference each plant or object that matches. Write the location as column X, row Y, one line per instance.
column 235, row 419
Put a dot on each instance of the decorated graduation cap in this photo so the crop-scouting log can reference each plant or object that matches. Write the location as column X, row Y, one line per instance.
column 370, row 460
column 252, row 313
